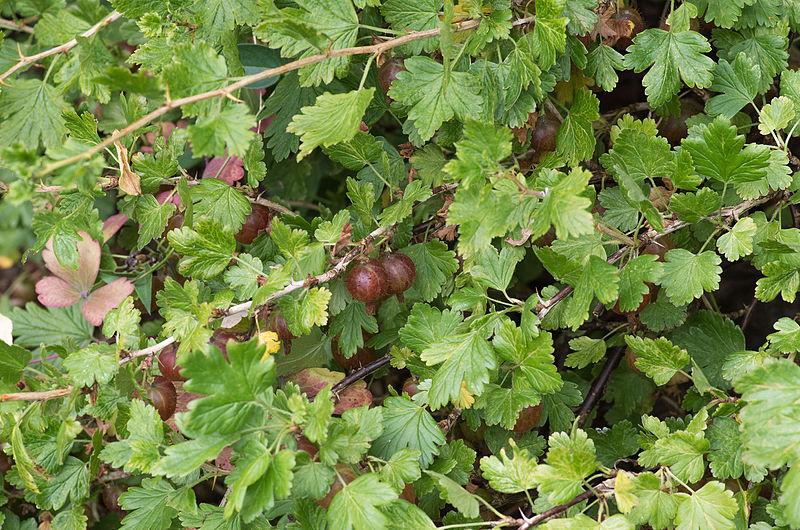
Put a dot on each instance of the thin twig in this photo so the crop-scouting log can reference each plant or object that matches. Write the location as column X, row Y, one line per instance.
column 599, row 385
column 227, row 91
column 25, row 61
column 361, row 373
column 601, row 489
column 16, row 26
column 148, row 351
column 271, row 205
column 37, row 396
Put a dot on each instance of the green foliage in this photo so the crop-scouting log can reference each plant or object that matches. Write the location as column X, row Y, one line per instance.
column 555, row 219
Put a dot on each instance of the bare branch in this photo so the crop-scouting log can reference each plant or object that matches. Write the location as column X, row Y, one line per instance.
column 25, row 61
column 226, row 91
column 36, row 396
column 16, row 26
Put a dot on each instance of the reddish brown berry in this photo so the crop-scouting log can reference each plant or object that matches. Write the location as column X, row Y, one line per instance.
column 367, row 281
column 410, row 387
column 162, row 394
column 543, row 136
column 256, row 222
column 630, row 24
column 362, row 357
column 278, row 324
column 400, row 272
column 111, row 493
column 388, row 72
column 347, row 474
column 528, row 419
column 167, row 364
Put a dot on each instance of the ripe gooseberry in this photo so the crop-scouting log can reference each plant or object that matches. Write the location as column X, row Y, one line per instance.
column 367, row 281
column 400, row 272
column 363, row 356
column 167, row 363
column 631, row 24
column 163, row 395
column 388, row 72
column 543, row 136
column 257, row 221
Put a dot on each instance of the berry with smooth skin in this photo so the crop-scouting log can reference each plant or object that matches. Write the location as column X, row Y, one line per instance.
column 410, row 387
column 363, row 356
column 367, row 281
column 163, row 395
column 400, row 272
column 257, row 221
column 528, row 419
column 543, row 136
column 167, row 364
column 388, row 72
column 278, row 324
column 632, row 25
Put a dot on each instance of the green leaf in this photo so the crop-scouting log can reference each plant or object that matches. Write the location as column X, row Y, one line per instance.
column 479, row 153
column 659, row 358
column 738, row 241
column 786, row 339
column 687, row 276
column 462, row 500
column 96, row 362
column 13, row 360
column 775, row 115
column 771, row 394
column 691, row 207
column 348, row 328
column 496, row 269
column 187, row 310
column 32, row 111
column 549, row 32
column 356, row 153
column 683, row 451
column 407, row 425
column 400, row 210
column 413, row 16
column 435, row 265
column 259, row 479
column 71, row 481
column 655, row 506
column 147, row 505
column 218, row 17
column 223, row 133
column 575, row 138
column 726, row 450
column 183, row 458
column 779, row 278
column 674, row 56
column 503, row 405
column 569, row 461
column 434, row 98
column 245, row 275
column 311, row 310
column 531, row 357
column 632, row 278
column 332, row 119
column 329, row 232
column 286, row 100
column 402, row 467
column 585, row 351
column 766, row 48
column 602, row 64
column 712, row 506
column 724, row 13
column 620, row 441
column 510, row 475
column 476, row 233
column 355, row 506
column 738, row 84
column 195, row 67
column 465, row 357
column 152, row 217
column 138, row 452
column 581, row 16
column 425, row 324
column 82, row 128
column 233, row 387
column 565, row 207
column 216, row 200
column 207, row 250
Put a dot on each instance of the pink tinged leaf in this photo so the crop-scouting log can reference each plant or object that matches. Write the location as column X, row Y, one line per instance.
column 229, row 168
column 84, row 276
column 100, row 302
column 112, row 225
column 174, row 199
column 55, row 292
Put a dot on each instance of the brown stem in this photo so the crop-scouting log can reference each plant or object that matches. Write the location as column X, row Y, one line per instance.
column 147, row 351
column 227, row 91
column 25, row 61
column 555, row 510
column 16, row 26
column 599, row 385
column 37, row 396
column 361, row 373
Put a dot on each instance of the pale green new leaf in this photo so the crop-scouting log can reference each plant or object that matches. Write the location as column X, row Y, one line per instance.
column 686, row 275
column 786, row 338
column 711, row 506
column 407, row 425
column 775, row 115
column 206, row 250
column 603, row 63
column 659, row 358
column 402, row 467
column 569, row 461
column 575, row 138
column 465, row 357
column 332, row 119
column 738, row 241
column 96, row 362
column 480, row 153
column 217, row 200
column 223, row 133
column 549, row 32
column 355, row 506
column 632, row 278
column 147, row 505
column 510, row 475
column 565, row 207
column 460, row 498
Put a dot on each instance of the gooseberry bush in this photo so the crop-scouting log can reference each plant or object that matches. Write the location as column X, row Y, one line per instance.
column 399, row 264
